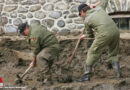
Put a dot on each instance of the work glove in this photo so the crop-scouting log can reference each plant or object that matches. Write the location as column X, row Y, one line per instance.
column 33, row 64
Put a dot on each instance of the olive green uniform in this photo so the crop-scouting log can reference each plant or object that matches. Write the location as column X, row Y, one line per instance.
column 44, row 44
column 107, row 34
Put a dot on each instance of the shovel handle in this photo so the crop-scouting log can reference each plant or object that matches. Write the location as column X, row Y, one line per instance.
column 26, row 70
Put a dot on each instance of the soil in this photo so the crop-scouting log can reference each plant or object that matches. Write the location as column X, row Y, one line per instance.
column 15, row 57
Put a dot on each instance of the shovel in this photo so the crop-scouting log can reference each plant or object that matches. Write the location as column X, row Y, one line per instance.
column 19, row 78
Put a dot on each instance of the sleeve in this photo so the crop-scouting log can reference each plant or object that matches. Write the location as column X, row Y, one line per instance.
column 103, row 4
column 89, row 31
column 35, row 45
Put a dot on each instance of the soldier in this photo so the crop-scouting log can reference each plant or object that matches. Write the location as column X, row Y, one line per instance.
column 44, row 44
column 107, row 36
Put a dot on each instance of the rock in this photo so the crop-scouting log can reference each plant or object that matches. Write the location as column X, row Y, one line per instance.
column 42, row 2
column 22, row 10
column 66, row 12
column 35, row 21
column 30, row 2
column 73, row 15
column 48, row 22
column 48, row 7
column 10, row 28
column 54, row 1
column 64, row 32
column 4, row 20
column 68, row 20
column 55, row 14
column 5, row 14
column 13, row 15
column 68, row 1
column 10, row 8
column 74, row 8
column 80, row 26
column 12, row 1
column 40, row 14
column 1, row 7
column 29, row 15
column 62, row 6
column 81, row 1
column 35, row 8
column 17, row 21
column 61, row 23
column 2, row 1
column 10, row 21
column 22, row 16
column 71, row 26
column 79, row 21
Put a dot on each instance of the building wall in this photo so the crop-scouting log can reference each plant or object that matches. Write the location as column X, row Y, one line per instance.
column 57, row 15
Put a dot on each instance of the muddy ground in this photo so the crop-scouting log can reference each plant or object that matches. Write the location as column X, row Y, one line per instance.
column 15, row 56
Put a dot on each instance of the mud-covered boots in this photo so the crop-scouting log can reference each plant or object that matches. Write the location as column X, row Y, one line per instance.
column 116, row 67
column 87, row 75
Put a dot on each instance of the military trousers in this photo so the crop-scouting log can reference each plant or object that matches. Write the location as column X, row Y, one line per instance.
column 101, row 42
column 46, row 58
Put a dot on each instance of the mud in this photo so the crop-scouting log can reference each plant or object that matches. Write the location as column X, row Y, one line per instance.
column 63, row 75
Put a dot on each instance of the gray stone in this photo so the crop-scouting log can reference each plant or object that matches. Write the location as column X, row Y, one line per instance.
column 62, row 6
column 119, row 5
column 81, row 1
column 22, row 10
column 35, row 21
column 71, row 26
column 10, row 21
column 48, row 22
column 10, row 28
column 61, row 23
column 17, row 21
column 29, row 15
column 78, row 21
column 64, row 32
column 53, row 1
column 13, row 15
column 2, row 1
column 42, row 2
column 74, row 8
column 10, row 8
column 68, row 1
column 40, row 15
column 1, row 7
column 48, row 7
column 22, row 16
column 80, row 26
column 55, row 14
column 73, row 15
column 68, row 20
column 12, row 1
column 5, row 14
column 35, row 8
column 66, row 12
column 30, row 2
column 4, row 20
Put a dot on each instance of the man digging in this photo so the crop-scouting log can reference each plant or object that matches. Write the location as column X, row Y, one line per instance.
column 107, row 36
column 44, row 44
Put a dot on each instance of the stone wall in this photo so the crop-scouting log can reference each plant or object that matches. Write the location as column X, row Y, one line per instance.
column 57, row 15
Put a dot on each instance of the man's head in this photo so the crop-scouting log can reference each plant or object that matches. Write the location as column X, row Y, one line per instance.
column 24, row 28
column 82, row 9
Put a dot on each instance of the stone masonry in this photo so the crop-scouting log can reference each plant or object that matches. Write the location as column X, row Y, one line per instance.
column 57, row 15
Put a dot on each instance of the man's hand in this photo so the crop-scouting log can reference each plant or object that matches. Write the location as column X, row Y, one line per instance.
column 82, row 36
column 94, row 5
column 33, row 64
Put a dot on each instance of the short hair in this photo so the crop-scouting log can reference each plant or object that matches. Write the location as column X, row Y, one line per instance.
column 22, row 27
column 83, row 7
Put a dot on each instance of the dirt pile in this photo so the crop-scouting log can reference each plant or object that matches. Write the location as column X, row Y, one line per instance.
column 63, row 75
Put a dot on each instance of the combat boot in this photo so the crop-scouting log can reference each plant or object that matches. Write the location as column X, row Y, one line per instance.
column 116, row 67
column 87, row 75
